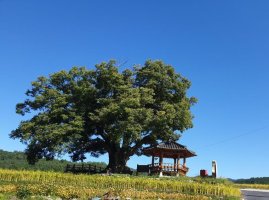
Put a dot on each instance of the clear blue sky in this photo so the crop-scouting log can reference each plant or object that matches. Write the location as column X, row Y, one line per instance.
column 221, row 46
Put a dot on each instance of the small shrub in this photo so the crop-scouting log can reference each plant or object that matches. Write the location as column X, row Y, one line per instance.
column 23, row 192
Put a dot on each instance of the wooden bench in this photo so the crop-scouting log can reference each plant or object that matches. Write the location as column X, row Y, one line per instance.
column 142, row 169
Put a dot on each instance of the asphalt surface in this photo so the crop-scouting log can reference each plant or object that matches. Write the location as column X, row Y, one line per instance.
column 253, row 194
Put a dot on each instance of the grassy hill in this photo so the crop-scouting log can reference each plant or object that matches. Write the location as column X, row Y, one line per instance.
column 17, row 160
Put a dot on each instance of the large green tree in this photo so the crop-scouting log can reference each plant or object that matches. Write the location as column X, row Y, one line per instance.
column 104, row 111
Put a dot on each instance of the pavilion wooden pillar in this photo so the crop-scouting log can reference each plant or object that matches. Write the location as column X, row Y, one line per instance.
column 161, row 164
column 151, row 169
column 178, row 165
column 184, row 162
column 175, row 164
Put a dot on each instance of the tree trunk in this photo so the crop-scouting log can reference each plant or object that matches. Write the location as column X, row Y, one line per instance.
column 117, row 161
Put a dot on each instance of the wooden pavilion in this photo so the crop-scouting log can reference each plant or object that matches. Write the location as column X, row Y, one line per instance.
column 163, row 150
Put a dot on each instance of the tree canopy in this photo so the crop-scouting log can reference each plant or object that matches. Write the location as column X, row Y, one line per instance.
column 104, row 110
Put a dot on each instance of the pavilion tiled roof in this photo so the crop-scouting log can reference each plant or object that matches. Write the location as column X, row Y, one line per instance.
column 170, row 146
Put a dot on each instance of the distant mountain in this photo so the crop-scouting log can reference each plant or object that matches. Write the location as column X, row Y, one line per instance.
column 253, row 180
column 17, row 160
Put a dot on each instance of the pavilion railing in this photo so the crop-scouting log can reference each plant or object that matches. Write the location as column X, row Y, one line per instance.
column 168, row 167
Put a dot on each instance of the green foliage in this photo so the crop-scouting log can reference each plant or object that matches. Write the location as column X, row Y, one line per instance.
column 17, row 160
column 23, row 192
column 4, row 197
column 253, row 180
column 104, row 111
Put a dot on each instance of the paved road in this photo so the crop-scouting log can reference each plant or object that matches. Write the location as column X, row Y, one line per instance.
column 253, row 194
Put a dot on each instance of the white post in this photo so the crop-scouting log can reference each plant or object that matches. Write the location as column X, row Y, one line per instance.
column 214, row 169
column 161, row 174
